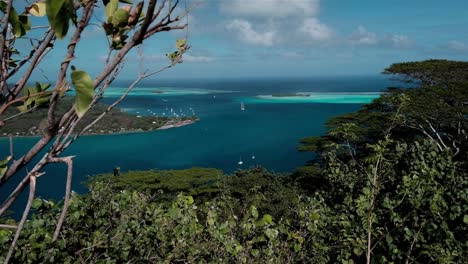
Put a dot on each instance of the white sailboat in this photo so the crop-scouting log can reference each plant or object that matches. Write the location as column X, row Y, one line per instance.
column 242, row 106
column 240, row 161
column 253, row 155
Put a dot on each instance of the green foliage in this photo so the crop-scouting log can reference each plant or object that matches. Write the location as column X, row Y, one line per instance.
column 20, row 23
column 84, row 91
column 121, row 20
column 431, row 72
column 395, row 171
column 128, row 226
column 268, row 191
column 111, row 7
column 166, row 184
column 173, row 56
column 36, row 97
column 59, row 14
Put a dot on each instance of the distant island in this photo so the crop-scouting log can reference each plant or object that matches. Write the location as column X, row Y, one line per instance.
column 116, row 121
column 291, row 95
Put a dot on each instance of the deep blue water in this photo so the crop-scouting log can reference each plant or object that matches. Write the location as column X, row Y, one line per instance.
column 224, row 134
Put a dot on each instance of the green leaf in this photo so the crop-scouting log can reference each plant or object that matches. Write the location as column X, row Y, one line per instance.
column 268, row 219
column 84, row 91
column 315, row 216
column 254, row 212
column 59, row 14
column 38, row 9
column 120, row 17
column 465, row 219
column 297, row 247
column 173, row 56
column 53, row 7
column 25, row 22
column 357, row 251
column 190, row 200
column 271, row 233
column 181, row 43
column 22, row 108
column 3, row 165
column 111, row 7
column 3, row 6
column 21, row 24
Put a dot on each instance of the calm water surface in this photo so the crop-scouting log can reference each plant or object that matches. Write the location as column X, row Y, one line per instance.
column 270, row 130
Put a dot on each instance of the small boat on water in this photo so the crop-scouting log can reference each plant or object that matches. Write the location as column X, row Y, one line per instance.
column 240, row 161
column 253, row 155
column 242, row 106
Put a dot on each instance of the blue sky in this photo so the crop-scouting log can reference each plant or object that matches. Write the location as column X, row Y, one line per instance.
column 295, row 38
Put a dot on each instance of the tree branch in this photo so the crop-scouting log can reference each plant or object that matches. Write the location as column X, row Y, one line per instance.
column 32, row 192
column 86, row 16
column 69, row 162
column 3, row 40
column 34, row 62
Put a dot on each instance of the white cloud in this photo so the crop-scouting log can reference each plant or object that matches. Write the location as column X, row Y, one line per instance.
column 247, row 34
column 271, row 8
column 363, row 37
column 316, row 30
column 400, row 41
column 458, row 46
column 197, row 58
column 292, row 55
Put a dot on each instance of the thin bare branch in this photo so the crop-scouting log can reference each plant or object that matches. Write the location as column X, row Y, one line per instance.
column 32, row 192
column 18, row 114
column 34, row 62
column 8, row 226
column 30, row 55
column 12, row 153
column 69, row 162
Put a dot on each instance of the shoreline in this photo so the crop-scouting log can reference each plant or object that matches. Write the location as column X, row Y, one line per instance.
column 177, row 124
column 164, row 127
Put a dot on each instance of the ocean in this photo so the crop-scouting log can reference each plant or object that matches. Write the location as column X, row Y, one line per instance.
column 266, row 133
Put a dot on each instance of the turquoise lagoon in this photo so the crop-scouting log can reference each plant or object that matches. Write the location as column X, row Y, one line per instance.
column 269, row 128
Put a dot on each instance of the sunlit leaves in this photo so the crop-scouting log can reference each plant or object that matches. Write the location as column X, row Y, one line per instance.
column 3, row 165
column 181, row 44
column 174, row 56
column 111, row 7
column 120, row 17
column 35, row 96
column 84, row 91
column 38, row 9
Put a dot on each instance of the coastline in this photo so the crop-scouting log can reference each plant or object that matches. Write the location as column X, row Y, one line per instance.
column 123, row 132
column 177, row 124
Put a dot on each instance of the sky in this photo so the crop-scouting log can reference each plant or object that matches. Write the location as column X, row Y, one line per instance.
column 291, row 39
